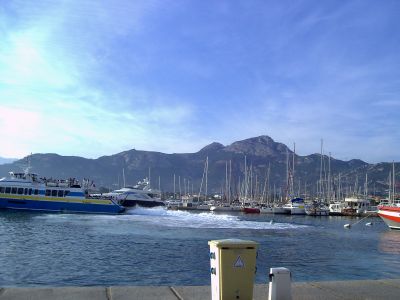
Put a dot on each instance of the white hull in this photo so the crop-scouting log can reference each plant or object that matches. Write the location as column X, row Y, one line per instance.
column 317, row 212
column 279, row 210
column 267, row 210
column 297, row 211
column 225, row 208
column 390, row 217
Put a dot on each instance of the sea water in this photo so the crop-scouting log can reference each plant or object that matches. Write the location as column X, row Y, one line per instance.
column 163, row 247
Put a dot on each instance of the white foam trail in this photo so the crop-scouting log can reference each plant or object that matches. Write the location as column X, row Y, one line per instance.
column 174, row 218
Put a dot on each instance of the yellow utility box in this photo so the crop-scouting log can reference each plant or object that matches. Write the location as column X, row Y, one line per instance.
column 233, row 268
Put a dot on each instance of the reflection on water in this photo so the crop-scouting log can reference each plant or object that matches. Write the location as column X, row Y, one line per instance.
column 390, row 242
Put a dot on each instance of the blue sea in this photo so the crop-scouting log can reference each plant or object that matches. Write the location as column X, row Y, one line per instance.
column 163, row 247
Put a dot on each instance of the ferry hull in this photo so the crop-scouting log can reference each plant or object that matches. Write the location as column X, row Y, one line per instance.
column 59, row 206
column 391, row 217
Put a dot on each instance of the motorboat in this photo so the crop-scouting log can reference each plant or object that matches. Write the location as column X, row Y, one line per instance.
column 133, row 197
column 317, row 208
column 335, row 208
column 251, row 210
column 295, row 206
column 266, row 209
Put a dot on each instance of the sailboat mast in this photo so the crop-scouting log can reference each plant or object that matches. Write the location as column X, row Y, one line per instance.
column 123, row 176
column 206, row 176
column 393, row 184
column 245, row 179
column 174, row 188
column 229, row 182
column 294, row 153
column 320, row 173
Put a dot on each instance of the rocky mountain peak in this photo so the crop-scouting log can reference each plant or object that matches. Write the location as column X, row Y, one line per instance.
column 260, row 146
column 212, row 147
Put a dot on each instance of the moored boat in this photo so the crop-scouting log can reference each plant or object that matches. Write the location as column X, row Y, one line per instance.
column 335, row 208
column 251, row 210
column 355, row 206
column 225, row 207
column 317, row 208
column 26, row 191
column 266, row 210
column 390, row 214
column 295, row 206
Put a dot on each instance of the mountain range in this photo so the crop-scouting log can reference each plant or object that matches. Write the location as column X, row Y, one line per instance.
column 259, row 154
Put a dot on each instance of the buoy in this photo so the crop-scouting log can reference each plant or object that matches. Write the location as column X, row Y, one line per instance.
column 346, row 225
column 368, row 224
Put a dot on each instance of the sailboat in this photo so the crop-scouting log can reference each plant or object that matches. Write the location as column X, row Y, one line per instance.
column 317, row 207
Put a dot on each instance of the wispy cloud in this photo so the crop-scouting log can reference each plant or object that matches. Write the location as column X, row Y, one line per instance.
column 97, row 78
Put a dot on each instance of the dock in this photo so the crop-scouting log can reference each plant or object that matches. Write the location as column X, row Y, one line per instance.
column 326, row 290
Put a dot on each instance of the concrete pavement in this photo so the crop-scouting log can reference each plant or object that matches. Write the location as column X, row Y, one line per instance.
column 358, row 289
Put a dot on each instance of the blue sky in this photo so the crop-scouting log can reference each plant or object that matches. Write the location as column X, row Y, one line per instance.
column 93, row 78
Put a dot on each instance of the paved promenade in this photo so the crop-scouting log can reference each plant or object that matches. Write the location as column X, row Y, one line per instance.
column 363, row 289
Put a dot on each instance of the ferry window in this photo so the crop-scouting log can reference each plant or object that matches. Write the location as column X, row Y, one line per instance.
column 48, row 192
column 13, row 190
column 36, row 191
column 30, row 191
column 8, row 190
column 1, row 189
column 20, row 191
column 54, row 193
column 60, row 193
column 26, row 191
column 66, row 193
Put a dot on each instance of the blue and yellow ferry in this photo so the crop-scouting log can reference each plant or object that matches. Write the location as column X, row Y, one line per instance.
column 26, row 191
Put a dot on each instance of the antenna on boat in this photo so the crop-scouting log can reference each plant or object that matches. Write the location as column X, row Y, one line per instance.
column 28, row 167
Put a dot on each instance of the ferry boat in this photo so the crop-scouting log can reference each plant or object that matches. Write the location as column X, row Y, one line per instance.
column 26, row 191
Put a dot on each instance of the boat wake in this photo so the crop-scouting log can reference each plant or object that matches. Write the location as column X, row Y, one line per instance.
column 159, row 216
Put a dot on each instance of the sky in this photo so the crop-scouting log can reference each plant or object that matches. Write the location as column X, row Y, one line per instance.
column 93, row 77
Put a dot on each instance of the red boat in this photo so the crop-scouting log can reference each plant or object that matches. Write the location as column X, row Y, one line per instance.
column 390, row 214
column 251, row 210
column 389, row 211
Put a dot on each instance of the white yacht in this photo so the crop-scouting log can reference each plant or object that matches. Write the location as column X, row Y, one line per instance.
column 295, row 206
column 141, row 194
column 335, row 208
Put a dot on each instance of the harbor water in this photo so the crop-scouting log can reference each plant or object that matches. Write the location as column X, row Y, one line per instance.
column 162, row 247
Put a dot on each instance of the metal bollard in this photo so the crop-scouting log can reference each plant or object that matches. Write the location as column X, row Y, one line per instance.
column 280, row 285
